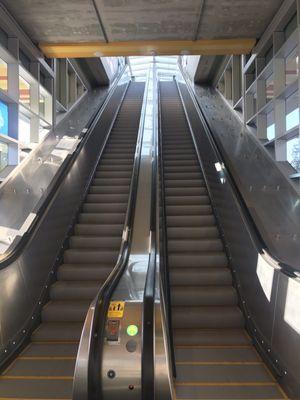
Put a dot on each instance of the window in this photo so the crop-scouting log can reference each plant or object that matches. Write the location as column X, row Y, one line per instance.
column 42, row 105
column 292, row 111
column 24, row 88
column 3, row 155
column 270, row 87
column 3, row 75
column 293, row 153
column 3, row 118
column 24, row 129
column 291, row 67
column 270, row 126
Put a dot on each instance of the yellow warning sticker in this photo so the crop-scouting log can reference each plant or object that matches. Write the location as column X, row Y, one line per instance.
column 116, row 309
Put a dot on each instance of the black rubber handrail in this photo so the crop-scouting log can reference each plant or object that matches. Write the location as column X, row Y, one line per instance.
column 148, row 359
column 165, row 252
column 101, row 302
column 51, row 191
column 250, row 224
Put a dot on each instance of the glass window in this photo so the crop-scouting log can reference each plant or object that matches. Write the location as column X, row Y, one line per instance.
column 42, row 105
column 292, row 111
column 270, row 125
column 24, row 129
column 3, row 155
column 291, row 67
column 3, row 75
column 24, row 88
column 293, row 153
column 270, row 87
column 3, row 118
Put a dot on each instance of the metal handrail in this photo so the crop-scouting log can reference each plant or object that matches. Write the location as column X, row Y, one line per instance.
column 250, row 224
column 87, row 385
column 13, row 253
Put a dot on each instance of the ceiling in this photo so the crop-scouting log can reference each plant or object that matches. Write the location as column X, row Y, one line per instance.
column 76, row 21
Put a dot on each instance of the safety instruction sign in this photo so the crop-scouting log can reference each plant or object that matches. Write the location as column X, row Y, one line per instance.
column 116, row 309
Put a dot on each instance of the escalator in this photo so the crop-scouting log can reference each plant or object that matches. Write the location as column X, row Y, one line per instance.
column 44, row 369
column 214, row 355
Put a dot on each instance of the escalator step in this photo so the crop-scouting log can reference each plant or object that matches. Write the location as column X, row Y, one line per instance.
column 229, row 392
column 65, row 311
column 107, row 198
column 95, row 242
column 194, row 260
column 108, row 189
column 185, row 191
column 57, row 331
column 190, row 220
column 210, row 337
column 203, row 296
column 207, row 317
column 36, row 389
column 68, row 290
column 203, row 276
column 42, row 368
column 216, row 354
column 84, row 256
column 223, row 373
column 105, row 218
column 99, row 230
column 50, row 350
column 105, row 208
column 194, row 232
column 86, row 272
column 184, row 183
column 194, row 245
column 187, row 201
column 178, row 210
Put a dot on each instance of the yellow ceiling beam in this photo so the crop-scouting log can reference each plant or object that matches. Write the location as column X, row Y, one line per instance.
column 144, row 48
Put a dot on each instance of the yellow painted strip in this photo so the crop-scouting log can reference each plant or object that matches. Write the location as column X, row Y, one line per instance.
column 29, row 398
column 29, row 377
column 143, row 48
column 218, row 363
column 214, row 347
column 33, row 358
column 225, row 384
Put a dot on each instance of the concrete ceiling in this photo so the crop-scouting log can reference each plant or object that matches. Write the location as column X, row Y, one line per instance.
column 73, row 21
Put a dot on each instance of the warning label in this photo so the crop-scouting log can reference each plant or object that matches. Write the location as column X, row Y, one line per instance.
column 116, row 309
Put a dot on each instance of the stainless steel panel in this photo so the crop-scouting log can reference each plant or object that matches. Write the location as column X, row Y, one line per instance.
column 270, row 197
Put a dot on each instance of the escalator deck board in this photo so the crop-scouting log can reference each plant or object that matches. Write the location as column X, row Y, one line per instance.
column 214, row 356
column 44, row 370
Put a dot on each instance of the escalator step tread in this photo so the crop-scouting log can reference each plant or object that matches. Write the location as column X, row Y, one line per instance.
column 201, row 259
column 53, row 349
column 96, row 242
column 57, row 331
column 207, row 317
column 203, row 276
column 65, row 311
column 36, row 389
column 74, row 272
column 193, row 232
column 223, row 373
column 42, row 368
column 102, row 230
column 217, row 354
column 104, row 218
column 74, row 290
column 194, row 245
column 203, row 296
column 228, row 392
column 210, row 337
column 90, row 256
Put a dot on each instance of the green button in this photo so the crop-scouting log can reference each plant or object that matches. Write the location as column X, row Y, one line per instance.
column 132, row 330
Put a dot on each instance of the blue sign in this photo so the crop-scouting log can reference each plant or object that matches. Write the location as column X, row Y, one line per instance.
column 3, row 118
